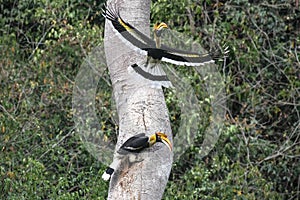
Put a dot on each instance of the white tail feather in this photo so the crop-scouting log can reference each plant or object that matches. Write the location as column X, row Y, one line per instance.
column 106, row 176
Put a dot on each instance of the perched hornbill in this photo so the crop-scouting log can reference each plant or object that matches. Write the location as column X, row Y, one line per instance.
column 136, row 144
column 154, row 48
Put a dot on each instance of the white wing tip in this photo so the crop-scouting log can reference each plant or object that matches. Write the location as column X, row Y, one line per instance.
column 186, row 63
column 130, row 70
column 159, row 84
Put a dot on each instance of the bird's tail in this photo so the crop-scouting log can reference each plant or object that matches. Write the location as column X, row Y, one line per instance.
column 108, row 173
column 111, row 169
column 155, row 74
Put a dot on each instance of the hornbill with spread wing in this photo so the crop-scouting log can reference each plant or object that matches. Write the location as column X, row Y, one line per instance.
column 135, row 144
column 154, row 49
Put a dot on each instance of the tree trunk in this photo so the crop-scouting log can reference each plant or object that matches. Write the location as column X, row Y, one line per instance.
column 141, row 109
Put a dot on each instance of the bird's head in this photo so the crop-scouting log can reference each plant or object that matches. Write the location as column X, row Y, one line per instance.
column 161, row 137
column 159, row 27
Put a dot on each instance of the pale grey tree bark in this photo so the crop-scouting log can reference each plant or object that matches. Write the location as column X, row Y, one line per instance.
column 141, row 109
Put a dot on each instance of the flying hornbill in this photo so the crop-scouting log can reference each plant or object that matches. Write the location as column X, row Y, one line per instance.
column 154, row 49
column 135, row 144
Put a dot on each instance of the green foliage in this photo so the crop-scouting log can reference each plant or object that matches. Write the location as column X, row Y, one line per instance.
column 43, row 44
column 42, row 47
column 257, row 158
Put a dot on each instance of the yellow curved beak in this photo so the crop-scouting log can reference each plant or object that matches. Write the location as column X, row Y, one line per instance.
column 162, row 25
column 165, row 140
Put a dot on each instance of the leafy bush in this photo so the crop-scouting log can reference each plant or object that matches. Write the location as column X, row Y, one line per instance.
column 42, row 47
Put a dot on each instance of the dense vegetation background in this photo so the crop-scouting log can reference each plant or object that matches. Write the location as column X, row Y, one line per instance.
column 42, row 46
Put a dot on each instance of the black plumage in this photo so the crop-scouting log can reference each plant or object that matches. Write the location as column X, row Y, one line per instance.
column 135, row 144
column 151, row 47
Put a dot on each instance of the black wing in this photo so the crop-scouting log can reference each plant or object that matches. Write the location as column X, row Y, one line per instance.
column 144, row 43
column 181, row 57
column 188, row 58
column 131, row 34
column 135, row 144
